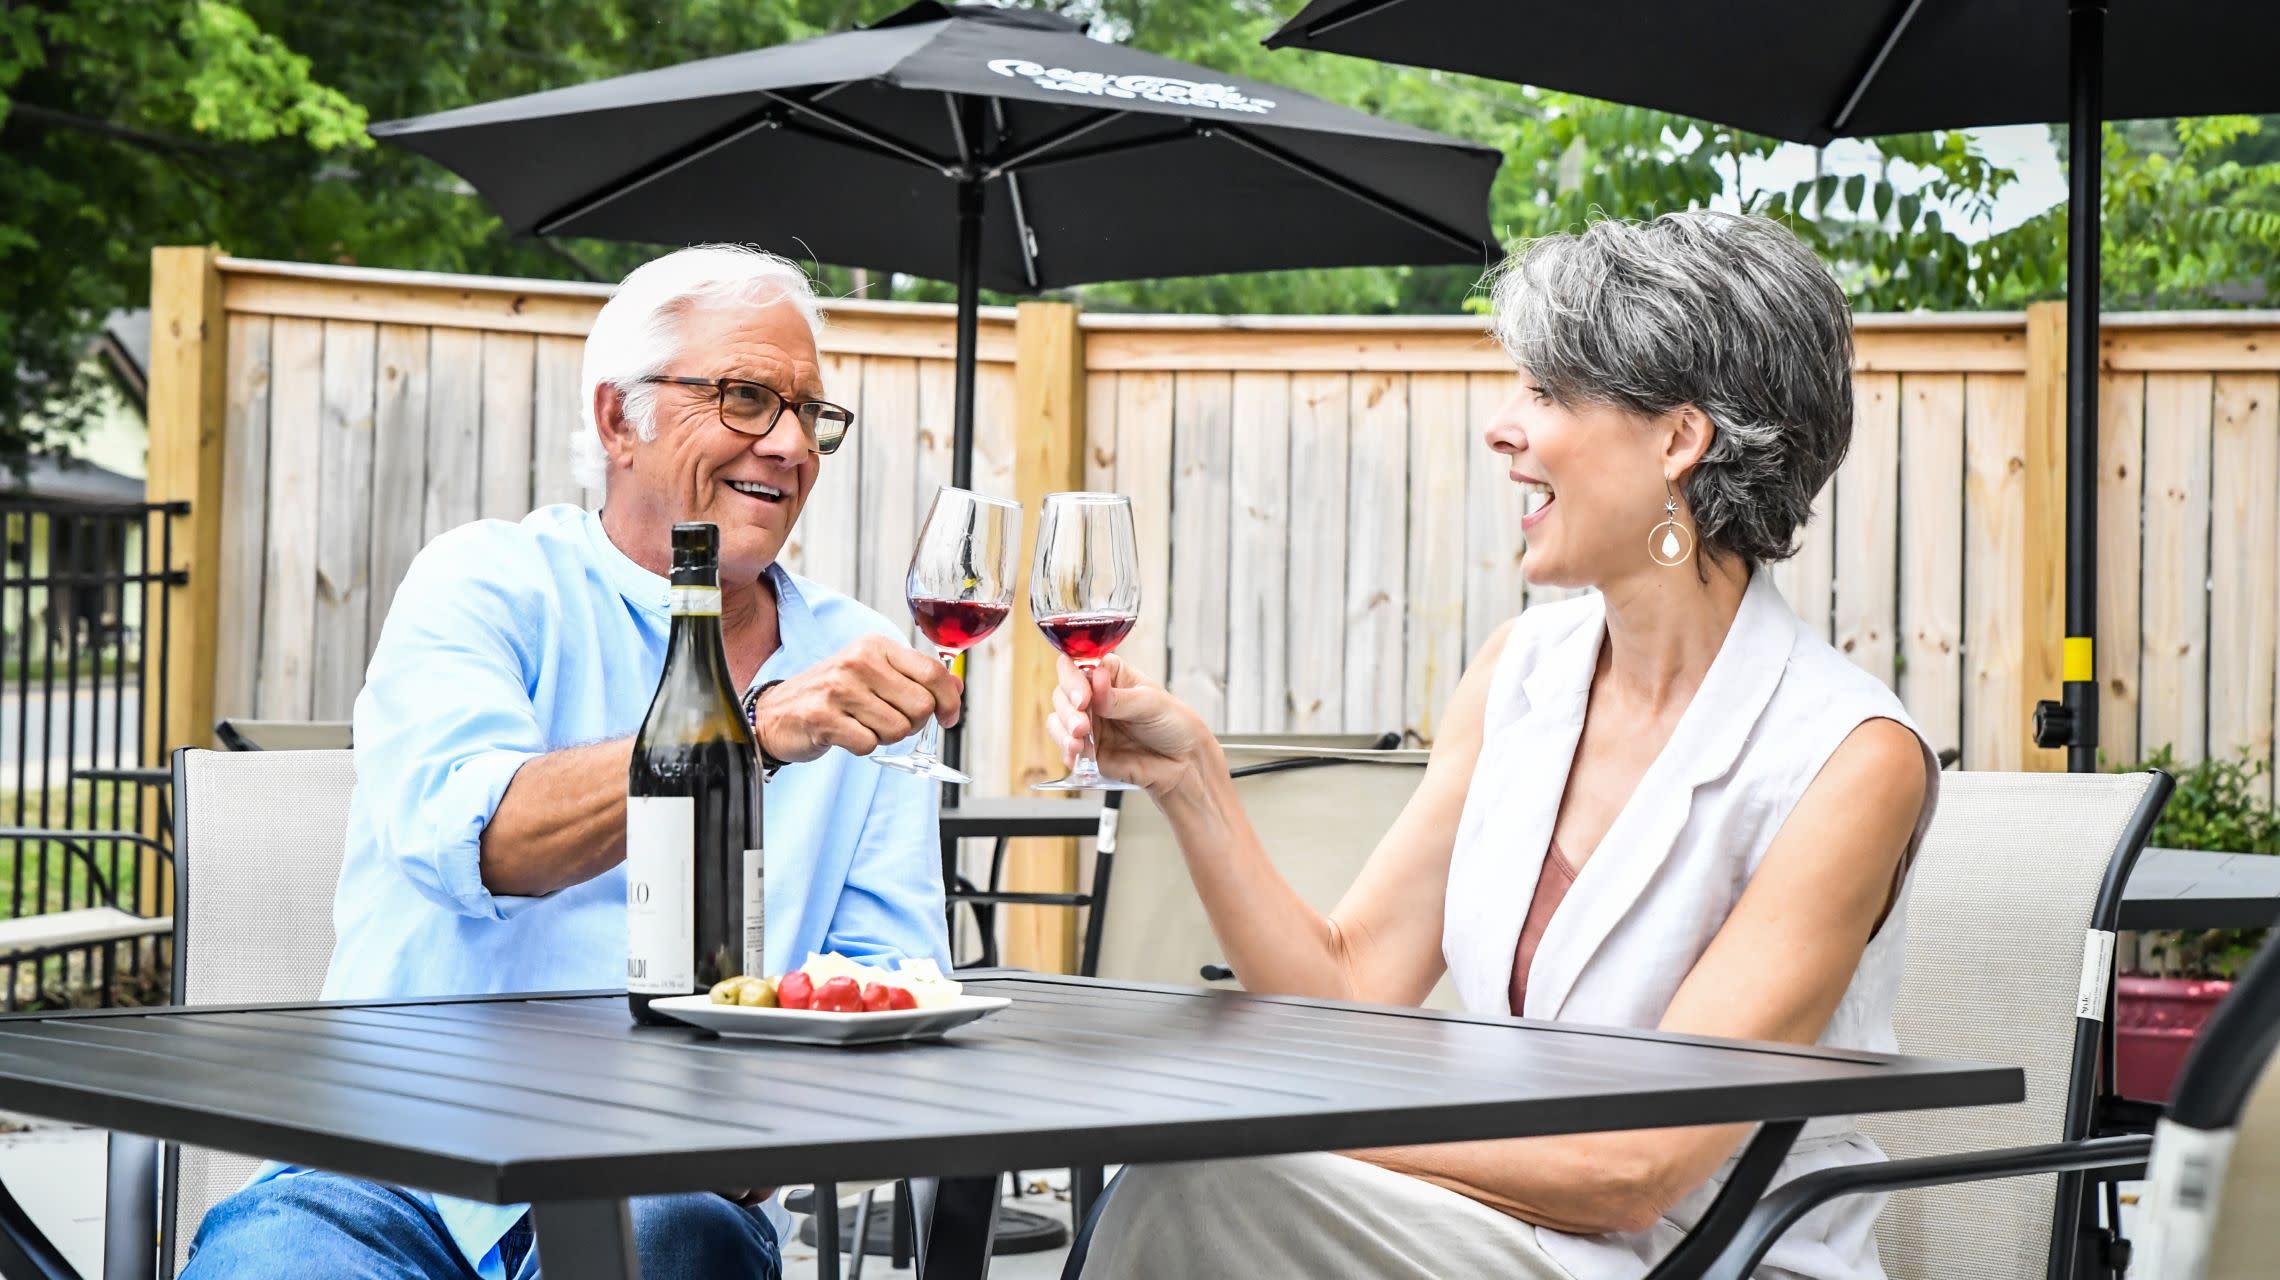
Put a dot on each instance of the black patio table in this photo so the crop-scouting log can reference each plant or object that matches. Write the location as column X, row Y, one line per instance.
column 2192, row 889
column 558, row 1101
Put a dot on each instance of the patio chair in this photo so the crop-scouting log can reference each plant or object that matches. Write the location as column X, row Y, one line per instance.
column 2015, row 871
column 282, row 735
column 1319, row 813
column 2216, row 1155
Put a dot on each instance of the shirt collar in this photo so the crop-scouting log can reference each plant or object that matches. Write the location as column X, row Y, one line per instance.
column 795, row 624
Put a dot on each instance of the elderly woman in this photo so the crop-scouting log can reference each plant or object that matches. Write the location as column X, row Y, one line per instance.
column 1664, row 803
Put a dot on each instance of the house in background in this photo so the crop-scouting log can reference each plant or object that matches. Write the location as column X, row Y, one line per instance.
column 70, row 530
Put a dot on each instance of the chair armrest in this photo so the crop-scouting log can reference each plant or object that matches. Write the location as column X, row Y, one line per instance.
column 1783, row 1206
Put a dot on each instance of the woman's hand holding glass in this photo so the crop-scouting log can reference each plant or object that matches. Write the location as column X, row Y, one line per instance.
column 1142, row 733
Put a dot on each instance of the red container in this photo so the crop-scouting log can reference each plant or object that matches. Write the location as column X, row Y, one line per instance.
column 2155, row 1020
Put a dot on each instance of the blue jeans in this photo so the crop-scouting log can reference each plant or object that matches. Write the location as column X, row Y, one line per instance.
column 321, row 1224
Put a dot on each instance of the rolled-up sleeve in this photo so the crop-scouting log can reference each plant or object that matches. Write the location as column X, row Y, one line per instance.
column 891, row 907
column 445, row 719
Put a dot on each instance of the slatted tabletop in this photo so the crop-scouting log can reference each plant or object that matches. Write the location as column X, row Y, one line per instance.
column 560, row 1098
column 2189, row 889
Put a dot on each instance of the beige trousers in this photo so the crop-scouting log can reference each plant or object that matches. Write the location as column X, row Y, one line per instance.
column 1319, row 1216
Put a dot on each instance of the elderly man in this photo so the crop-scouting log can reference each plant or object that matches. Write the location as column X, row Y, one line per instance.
column 494, row 733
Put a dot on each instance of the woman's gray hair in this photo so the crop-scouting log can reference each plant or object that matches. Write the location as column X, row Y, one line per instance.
column 1728, row 313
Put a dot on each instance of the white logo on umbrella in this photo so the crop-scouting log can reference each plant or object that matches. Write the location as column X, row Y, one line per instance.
column 1100, row 84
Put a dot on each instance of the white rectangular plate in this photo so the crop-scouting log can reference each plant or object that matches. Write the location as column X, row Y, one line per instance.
column 807, row 1026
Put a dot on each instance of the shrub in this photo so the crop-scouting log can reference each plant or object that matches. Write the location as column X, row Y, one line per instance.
column 2223, row 806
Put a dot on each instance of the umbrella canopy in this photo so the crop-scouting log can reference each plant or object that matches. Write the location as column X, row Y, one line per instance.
column 1097, row 162
column 1812, row 71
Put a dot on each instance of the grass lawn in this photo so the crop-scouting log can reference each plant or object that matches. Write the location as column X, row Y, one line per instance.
column 64, row 876
column 14, row 667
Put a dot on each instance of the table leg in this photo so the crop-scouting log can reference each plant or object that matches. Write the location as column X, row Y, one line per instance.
column 585, row 1240
column 957, row 1222
column 1752, row 1175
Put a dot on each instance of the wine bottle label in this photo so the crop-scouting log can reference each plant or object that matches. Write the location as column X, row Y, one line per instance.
column 755, row 913
column 702, row 601
column 660, row 909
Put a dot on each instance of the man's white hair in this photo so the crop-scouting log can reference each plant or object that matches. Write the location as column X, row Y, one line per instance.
column 638, row 332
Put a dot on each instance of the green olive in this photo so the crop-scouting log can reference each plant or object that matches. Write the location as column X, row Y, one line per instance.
column 757, row 993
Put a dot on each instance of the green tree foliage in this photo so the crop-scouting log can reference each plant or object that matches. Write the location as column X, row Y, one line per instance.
column 130, row 123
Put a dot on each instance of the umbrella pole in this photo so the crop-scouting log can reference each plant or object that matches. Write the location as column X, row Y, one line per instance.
column 2087, row 22
column 962, row 422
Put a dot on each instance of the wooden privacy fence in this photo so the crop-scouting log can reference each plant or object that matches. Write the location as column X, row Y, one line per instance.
column 1325, row 539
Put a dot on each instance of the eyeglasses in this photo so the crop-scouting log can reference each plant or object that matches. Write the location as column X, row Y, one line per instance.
column 753, row 409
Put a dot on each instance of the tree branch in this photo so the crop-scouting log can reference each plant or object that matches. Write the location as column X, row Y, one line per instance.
column 109, row 129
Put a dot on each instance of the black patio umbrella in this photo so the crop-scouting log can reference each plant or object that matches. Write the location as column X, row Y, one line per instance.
column 1812, row 71
column 999, row 148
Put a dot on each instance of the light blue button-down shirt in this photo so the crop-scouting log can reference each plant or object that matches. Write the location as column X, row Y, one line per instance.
column 507, row 641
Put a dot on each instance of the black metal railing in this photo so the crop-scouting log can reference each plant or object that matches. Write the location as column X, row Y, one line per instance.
column 85, row 621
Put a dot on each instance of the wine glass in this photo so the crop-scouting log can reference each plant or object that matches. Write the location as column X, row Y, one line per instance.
column 960, row 588
column 1084, row 593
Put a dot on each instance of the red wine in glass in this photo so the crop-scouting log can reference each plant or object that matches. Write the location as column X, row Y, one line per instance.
column 1087, row 637
column 958, row 625
column 960, row 587
column 1084, row 592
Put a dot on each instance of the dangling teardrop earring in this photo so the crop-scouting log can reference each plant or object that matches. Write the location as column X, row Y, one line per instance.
column 1670, row 544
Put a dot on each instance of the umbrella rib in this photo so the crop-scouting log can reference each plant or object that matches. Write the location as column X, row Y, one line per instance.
column 1367, row 9
column 1107, row 149
column 856, row 129
column 1067, row 133
column 734, row 131
column 1021, row 228
column 1875, row 66
column 1347, row 186
column 958, row 134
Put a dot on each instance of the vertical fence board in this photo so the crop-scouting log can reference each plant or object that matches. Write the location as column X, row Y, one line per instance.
column 2121, row 517
column 1316, row 634
column 2176, row 594
column 245, row 511
column 399, row 463
column 1808, row 579
column 1439, row 443
column 1931, row 556
column 1144, row 473
column 1994, row 502
column 455, row 429
column 558, row 417
column 989, row 713
column 889, row 481
column 1258, row 583
column 1102, row 394
column 2245, row 457
column 344, row 522
column 508, row 377
column 1377, row 561
column 937, row 424
column 1203, row 404
column 1866, row 583
column 823, row 543
column 289, row 573
column 1494, row 545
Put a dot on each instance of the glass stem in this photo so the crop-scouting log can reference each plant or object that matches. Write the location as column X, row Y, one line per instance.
column 1088, row 763
column 930, row 738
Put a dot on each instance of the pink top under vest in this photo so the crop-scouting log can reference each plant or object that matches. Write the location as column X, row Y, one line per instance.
column 1552, row 885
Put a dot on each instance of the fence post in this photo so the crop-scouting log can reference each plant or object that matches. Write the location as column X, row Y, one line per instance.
column 2043, row 574
column 1049, row 456
column 188, row 354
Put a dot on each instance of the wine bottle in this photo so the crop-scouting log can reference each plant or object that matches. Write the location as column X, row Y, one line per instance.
column 694, row 875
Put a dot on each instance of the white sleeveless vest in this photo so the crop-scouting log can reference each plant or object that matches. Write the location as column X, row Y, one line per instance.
column 1774, row 706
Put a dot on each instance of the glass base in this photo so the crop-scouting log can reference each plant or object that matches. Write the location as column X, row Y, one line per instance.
column 924, row 767
column 1084, row 780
